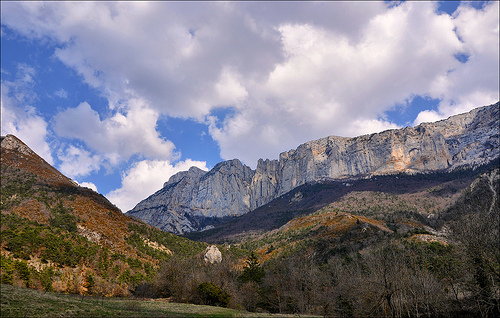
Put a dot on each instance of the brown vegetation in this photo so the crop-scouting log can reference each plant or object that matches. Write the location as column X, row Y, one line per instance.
column 58, row 236
column 429, row 252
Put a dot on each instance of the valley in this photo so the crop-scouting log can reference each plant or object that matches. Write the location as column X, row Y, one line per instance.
column 384, row 242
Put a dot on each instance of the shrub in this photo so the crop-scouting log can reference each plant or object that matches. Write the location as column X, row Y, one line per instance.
column 146, row 290
column 134, row 262
column 23, row 271
column 125, row 277
column 253, row 272
column 90, row 281
column 62, row 219
column 46, row 278
column 7, row 270
column 213, row 295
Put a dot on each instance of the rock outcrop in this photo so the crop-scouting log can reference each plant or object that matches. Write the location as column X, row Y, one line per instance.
column 16, row 153
column 212, row 255
column 190, row 199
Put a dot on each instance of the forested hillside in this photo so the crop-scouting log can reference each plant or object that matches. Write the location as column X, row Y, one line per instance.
column 58, row 236
column 395, row 246
column 369, row 254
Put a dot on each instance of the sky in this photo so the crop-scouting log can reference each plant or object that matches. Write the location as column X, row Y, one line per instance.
column 119, row 96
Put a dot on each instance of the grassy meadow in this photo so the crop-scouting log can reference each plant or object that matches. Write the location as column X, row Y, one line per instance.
column 24, row 302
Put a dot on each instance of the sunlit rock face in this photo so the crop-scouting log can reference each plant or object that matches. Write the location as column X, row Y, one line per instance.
column 190, row 199
column 212, row 255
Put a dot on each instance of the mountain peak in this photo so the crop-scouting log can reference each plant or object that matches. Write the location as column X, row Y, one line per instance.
column 232, row 189
column 16, row 153
column 11, row 142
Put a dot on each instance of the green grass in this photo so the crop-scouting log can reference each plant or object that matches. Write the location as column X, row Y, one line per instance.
column 24, row 302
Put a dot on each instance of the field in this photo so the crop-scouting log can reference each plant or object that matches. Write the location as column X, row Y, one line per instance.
column 24, row 302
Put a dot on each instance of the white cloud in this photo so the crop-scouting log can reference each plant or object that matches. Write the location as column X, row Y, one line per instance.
column 118, row 137
column 27, row 126
column 332, row 84
column 476, row 82
column 19, row 118
column 77, row 162
column 148, row 49
column 89, row 185
column 427, row 116
column 62, row 93
column 144, row 178
column 291, row 72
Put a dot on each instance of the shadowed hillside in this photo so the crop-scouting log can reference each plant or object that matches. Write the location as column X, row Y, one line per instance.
column 426, row 193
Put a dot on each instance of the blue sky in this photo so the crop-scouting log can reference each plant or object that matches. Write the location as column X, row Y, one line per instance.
column 120, row 96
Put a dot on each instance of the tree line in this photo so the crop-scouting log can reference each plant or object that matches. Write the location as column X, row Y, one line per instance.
column 392, row 278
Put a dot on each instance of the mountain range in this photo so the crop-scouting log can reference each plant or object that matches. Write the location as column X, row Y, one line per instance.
column 196, row 200
column 400, row 223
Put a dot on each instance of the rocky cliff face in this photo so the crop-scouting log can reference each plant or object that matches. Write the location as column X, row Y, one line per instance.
column 190, row 198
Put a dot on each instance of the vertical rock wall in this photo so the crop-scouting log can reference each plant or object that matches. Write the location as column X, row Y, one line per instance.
column 232, row 189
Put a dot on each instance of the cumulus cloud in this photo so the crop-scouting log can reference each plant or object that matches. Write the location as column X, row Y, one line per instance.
column 290, row 72
column 127, row 132
column 77, row 162
column 144, row 178
column 475, row 82
column 21, row 119
column 331, row 84
column 428, row 116
column 89, row 185
column 177, row 55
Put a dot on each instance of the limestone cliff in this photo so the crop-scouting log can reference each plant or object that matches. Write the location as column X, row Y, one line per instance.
column 190, row 198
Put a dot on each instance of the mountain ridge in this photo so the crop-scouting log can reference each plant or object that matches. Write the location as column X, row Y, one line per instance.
column 437, row 227
column 232, row 188
column 309, row 198
column 59, row 236
column 13, row 149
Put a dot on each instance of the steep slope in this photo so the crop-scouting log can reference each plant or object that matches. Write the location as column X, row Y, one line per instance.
column 455, row 211
column 196, row 200
column 16, row 154
column 73, row 235
column 480, row 200
column 43, row 186
column 419, row 198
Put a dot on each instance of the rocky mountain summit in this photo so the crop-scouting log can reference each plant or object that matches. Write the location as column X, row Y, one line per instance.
column 194, row 199
column 16, row 153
